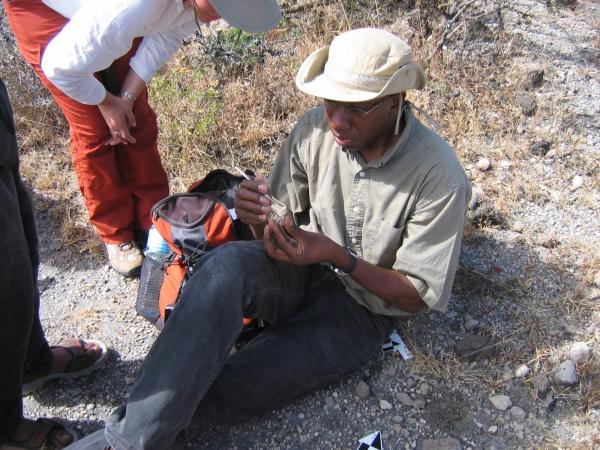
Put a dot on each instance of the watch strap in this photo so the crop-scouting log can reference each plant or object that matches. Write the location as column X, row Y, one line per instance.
column 348, row 268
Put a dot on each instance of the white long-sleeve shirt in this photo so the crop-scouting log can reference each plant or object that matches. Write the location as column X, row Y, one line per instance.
column 100, row 31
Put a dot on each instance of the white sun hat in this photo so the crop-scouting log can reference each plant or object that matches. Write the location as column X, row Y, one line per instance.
column 253, row 16
column 360, row 65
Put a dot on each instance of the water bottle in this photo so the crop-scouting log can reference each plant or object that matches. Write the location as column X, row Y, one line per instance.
column 156, row 253
column 156, row 244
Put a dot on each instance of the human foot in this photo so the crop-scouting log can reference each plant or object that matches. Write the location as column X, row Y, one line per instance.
column 38, row 434
column 72, row 358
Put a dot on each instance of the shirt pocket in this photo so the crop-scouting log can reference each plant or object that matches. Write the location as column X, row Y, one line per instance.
column 381, row 243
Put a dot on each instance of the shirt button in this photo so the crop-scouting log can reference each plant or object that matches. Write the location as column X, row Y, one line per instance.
column 354, row 240
column 362, row 174
column 355, row 209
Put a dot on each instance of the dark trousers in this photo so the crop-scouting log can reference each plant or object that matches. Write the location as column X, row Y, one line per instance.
column 22, row 342
column 318, row 334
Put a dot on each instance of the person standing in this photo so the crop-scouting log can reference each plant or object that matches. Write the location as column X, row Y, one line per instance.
column 81, row 50
column 28, row 362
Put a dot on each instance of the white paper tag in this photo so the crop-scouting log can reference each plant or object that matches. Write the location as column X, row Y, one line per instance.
column 396, row 344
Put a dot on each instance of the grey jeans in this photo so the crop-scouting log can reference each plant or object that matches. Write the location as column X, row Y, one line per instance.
column 318, row 334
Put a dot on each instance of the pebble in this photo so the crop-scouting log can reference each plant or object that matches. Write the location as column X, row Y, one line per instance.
column 540, row 148
column 493, row 429
column 501, row 402
column 505, row 164
column 577, row 182
column 362, row 390
column 541, row 383
column 566, row 373
column 471, row 324
column 425, row 389
column 483, row 164
column 404, row 398
column 579, row 352
column 419, row 403
column 384, row 404
column 442, row 444
column 518, row 413
column 522, row 371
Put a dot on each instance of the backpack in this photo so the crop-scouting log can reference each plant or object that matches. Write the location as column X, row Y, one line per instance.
column 191, row 224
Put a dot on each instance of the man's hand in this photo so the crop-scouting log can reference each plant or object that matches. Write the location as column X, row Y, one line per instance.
column 119, row 118
column 252, row 205
column 291, row 244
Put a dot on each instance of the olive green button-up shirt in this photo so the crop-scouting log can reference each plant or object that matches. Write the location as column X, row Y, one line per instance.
column 404, row 211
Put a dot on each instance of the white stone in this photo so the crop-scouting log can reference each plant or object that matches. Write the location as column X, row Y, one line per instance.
column 577, row 181
column 501, row 402
column 493, row 429
column 483, row 164
column 522, row 371
column 384, row 404
column 505, row 164
column 566, row 373
column 579, row 352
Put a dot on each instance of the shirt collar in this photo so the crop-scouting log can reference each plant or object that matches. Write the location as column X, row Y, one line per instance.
column 407, row 132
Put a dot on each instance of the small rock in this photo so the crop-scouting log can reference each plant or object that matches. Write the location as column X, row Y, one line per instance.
column 493, row 429
column 362, row 390
column 539, row 148
column 579, row 352
column 419, row 403
column 425, row 389
column 505, row 164
column 398, row 419
column 473, row 347
column 522, row 371
column 442, row 444
column 541, row 383
column 577, row 182
column 501, row 402
column 483, row 164
column 527, row 103
column 518, row 413
column 471, row 324
column 404, row 398
column 329, row 402
column 384, row 404
column 566, row 373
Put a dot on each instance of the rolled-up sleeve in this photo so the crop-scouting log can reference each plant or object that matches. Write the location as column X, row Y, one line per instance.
column 431, row 244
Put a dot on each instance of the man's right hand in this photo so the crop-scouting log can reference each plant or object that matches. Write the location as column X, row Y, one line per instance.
column 252, row 204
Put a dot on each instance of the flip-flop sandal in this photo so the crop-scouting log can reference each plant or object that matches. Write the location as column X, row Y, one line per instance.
column 78, row 365
column 41, row 437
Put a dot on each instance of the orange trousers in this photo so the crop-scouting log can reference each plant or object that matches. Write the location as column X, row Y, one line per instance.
column 119, row 183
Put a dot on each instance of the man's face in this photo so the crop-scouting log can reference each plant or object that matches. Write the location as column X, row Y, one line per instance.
column 362, row 126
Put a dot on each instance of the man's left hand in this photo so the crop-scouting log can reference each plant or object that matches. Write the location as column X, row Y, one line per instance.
column 289, row 243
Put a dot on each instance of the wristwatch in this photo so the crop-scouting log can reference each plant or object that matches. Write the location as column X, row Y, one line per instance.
column 348, row 268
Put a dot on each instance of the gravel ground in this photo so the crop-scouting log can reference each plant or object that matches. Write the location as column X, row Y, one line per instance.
column 490, row 373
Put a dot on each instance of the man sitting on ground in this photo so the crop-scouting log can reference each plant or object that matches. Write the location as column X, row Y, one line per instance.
column 372, row 193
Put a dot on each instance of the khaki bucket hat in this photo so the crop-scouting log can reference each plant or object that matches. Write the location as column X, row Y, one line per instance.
column 360, row 65
column 253, row 16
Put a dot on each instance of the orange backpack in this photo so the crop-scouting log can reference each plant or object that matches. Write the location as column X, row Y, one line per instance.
column 191, row 224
